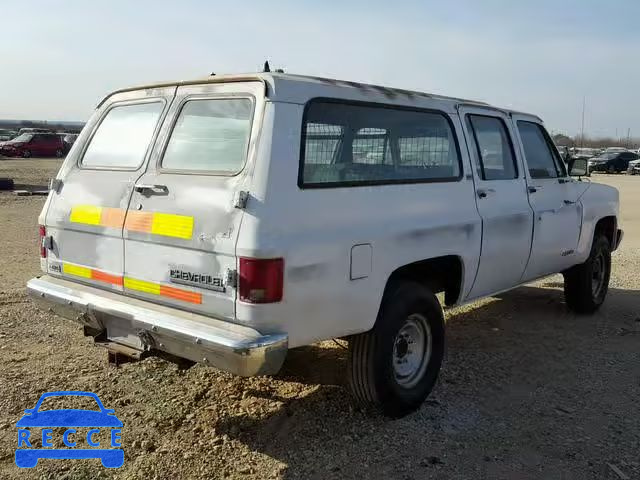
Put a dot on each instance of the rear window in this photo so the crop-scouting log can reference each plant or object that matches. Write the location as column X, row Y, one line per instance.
column 123, row 137
column 210, row 135
column 346, row 144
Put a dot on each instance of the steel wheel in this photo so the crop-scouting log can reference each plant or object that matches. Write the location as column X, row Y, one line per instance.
column 412, row 351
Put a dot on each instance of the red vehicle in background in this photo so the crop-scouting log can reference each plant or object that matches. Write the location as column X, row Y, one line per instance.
column 33, row 145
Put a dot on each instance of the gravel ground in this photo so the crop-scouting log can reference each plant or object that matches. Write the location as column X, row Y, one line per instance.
column 529, row 390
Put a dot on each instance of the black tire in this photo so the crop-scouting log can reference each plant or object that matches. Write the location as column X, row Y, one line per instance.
column 59, row 153
column 26, row 154
column 373, row 377
column 586, row 285
column 6, row 184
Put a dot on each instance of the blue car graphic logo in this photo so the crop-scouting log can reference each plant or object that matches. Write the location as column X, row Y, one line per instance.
column 27, row 457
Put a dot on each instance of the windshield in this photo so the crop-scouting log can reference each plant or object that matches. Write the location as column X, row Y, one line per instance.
column 25, row 137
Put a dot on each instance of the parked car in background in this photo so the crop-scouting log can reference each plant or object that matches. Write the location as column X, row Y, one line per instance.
column 616, row 149
column 634, row 167
column 6, row 134
column 585, row 153
column 612, row 162
column 34, row 145
column 68, row 139
column 34, row 130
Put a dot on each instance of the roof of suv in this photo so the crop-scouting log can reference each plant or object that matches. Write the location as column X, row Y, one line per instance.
column 286, row 87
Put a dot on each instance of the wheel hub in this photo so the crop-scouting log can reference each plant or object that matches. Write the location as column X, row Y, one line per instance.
column 412, row 350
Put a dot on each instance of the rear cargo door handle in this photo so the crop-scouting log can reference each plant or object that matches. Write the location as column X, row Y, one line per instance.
column 151, row 189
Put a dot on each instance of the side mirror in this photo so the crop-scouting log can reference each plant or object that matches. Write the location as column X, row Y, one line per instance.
column 579, row 167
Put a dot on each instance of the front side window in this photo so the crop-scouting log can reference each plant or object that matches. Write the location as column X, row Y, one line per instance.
column 351, row 144
column 210, row 135
column 123, row 137
column 540, row 158
column 495, row 157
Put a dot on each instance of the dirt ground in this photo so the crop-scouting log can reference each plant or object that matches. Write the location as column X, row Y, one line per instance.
column 528, row 390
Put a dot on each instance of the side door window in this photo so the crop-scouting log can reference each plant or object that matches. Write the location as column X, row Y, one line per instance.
column 495, row 158
column 542, row 160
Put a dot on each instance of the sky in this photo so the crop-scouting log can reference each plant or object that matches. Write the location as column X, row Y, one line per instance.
column 58, row 58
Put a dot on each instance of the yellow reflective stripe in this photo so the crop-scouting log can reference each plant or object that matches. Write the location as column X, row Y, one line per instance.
column 76, row 270
column 166, row 224
column 142, row 286
column 169, row 225
column 87, row 214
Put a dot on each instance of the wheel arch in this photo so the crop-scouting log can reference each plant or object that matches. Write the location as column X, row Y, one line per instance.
column 439, row 274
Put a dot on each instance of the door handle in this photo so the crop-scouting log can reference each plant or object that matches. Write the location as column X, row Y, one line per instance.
column 151, row 189
column 483, row 192
column 569, row 202
column 532, row 189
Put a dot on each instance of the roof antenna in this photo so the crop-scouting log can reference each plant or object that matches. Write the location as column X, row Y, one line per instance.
column 266, row 67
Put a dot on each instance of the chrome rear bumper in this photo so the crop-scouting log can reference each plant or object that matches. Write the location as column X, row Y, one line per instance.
column 146, row 326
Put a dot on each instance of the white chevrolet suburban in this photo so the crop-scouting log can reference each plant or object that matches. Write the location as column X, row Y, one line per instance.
column 228, row 219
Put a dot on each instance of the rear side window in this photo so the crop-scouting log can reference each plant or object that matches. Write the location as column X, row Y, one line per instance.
column 495, row 157
column 123, row 137
column 347, row 144
column 540, row 156
column 210, row 135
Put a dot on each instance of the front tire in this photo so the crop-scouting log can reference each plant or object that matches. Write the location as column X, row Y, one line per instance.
column 586, row 285
column 393, row 367
column 26, row 154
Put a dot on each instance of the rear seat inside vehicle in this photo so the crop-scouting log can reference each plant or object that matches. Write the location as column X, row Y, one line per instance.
column 329, row 173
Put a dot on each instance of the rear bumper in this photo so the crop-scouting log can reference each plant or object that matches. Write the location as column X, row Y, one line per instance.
column 146, row 326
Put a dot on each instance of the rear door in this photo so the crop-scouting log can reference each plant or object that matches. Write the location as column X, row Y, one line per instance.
column 183, row 221
column 87, row 210
column 501, row 197
column 554, row 198
column 35, row 145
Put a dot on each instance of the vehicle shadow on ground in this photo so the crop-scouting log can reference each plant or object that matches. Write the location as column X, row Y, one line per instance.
column 321, row 435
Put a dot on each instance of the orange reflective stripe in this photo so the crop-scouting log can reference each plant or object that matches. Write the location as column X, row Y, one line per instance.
column 179, row 294
column 106, row 277
column 112, row 217
column 156, row 223
column 139, row 221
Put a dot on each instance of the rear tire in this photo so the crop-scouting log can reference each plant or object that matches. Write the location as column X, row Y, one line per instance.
column 393, row 367
column 586, row 285
column 26, row 154
column 59, row 153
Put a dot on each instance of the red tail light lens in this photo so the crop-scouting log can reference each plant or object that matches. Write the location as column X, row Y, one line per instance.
column 261, row 280
column 43, row 233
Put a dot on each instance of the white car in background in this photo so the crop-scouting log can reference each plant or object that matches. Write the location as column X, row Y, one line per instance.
column 634, row 167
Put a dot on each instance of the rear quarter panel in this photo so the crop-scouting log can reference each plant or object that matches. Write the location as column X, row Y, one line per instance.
column 315, row 230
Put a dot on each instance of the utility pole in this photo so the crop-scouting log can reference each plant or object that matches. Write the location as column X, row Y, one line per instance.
column 584, row 101
column 628, row 137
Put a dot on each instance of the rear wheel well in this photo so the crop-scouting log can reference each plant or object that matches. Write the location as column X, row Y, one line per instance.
column 606, row 226
column 440, row 274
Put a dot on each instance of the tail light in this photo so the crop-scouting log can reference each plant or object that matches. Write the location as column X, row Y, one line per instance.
column 43, row 233
column 261, row 280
